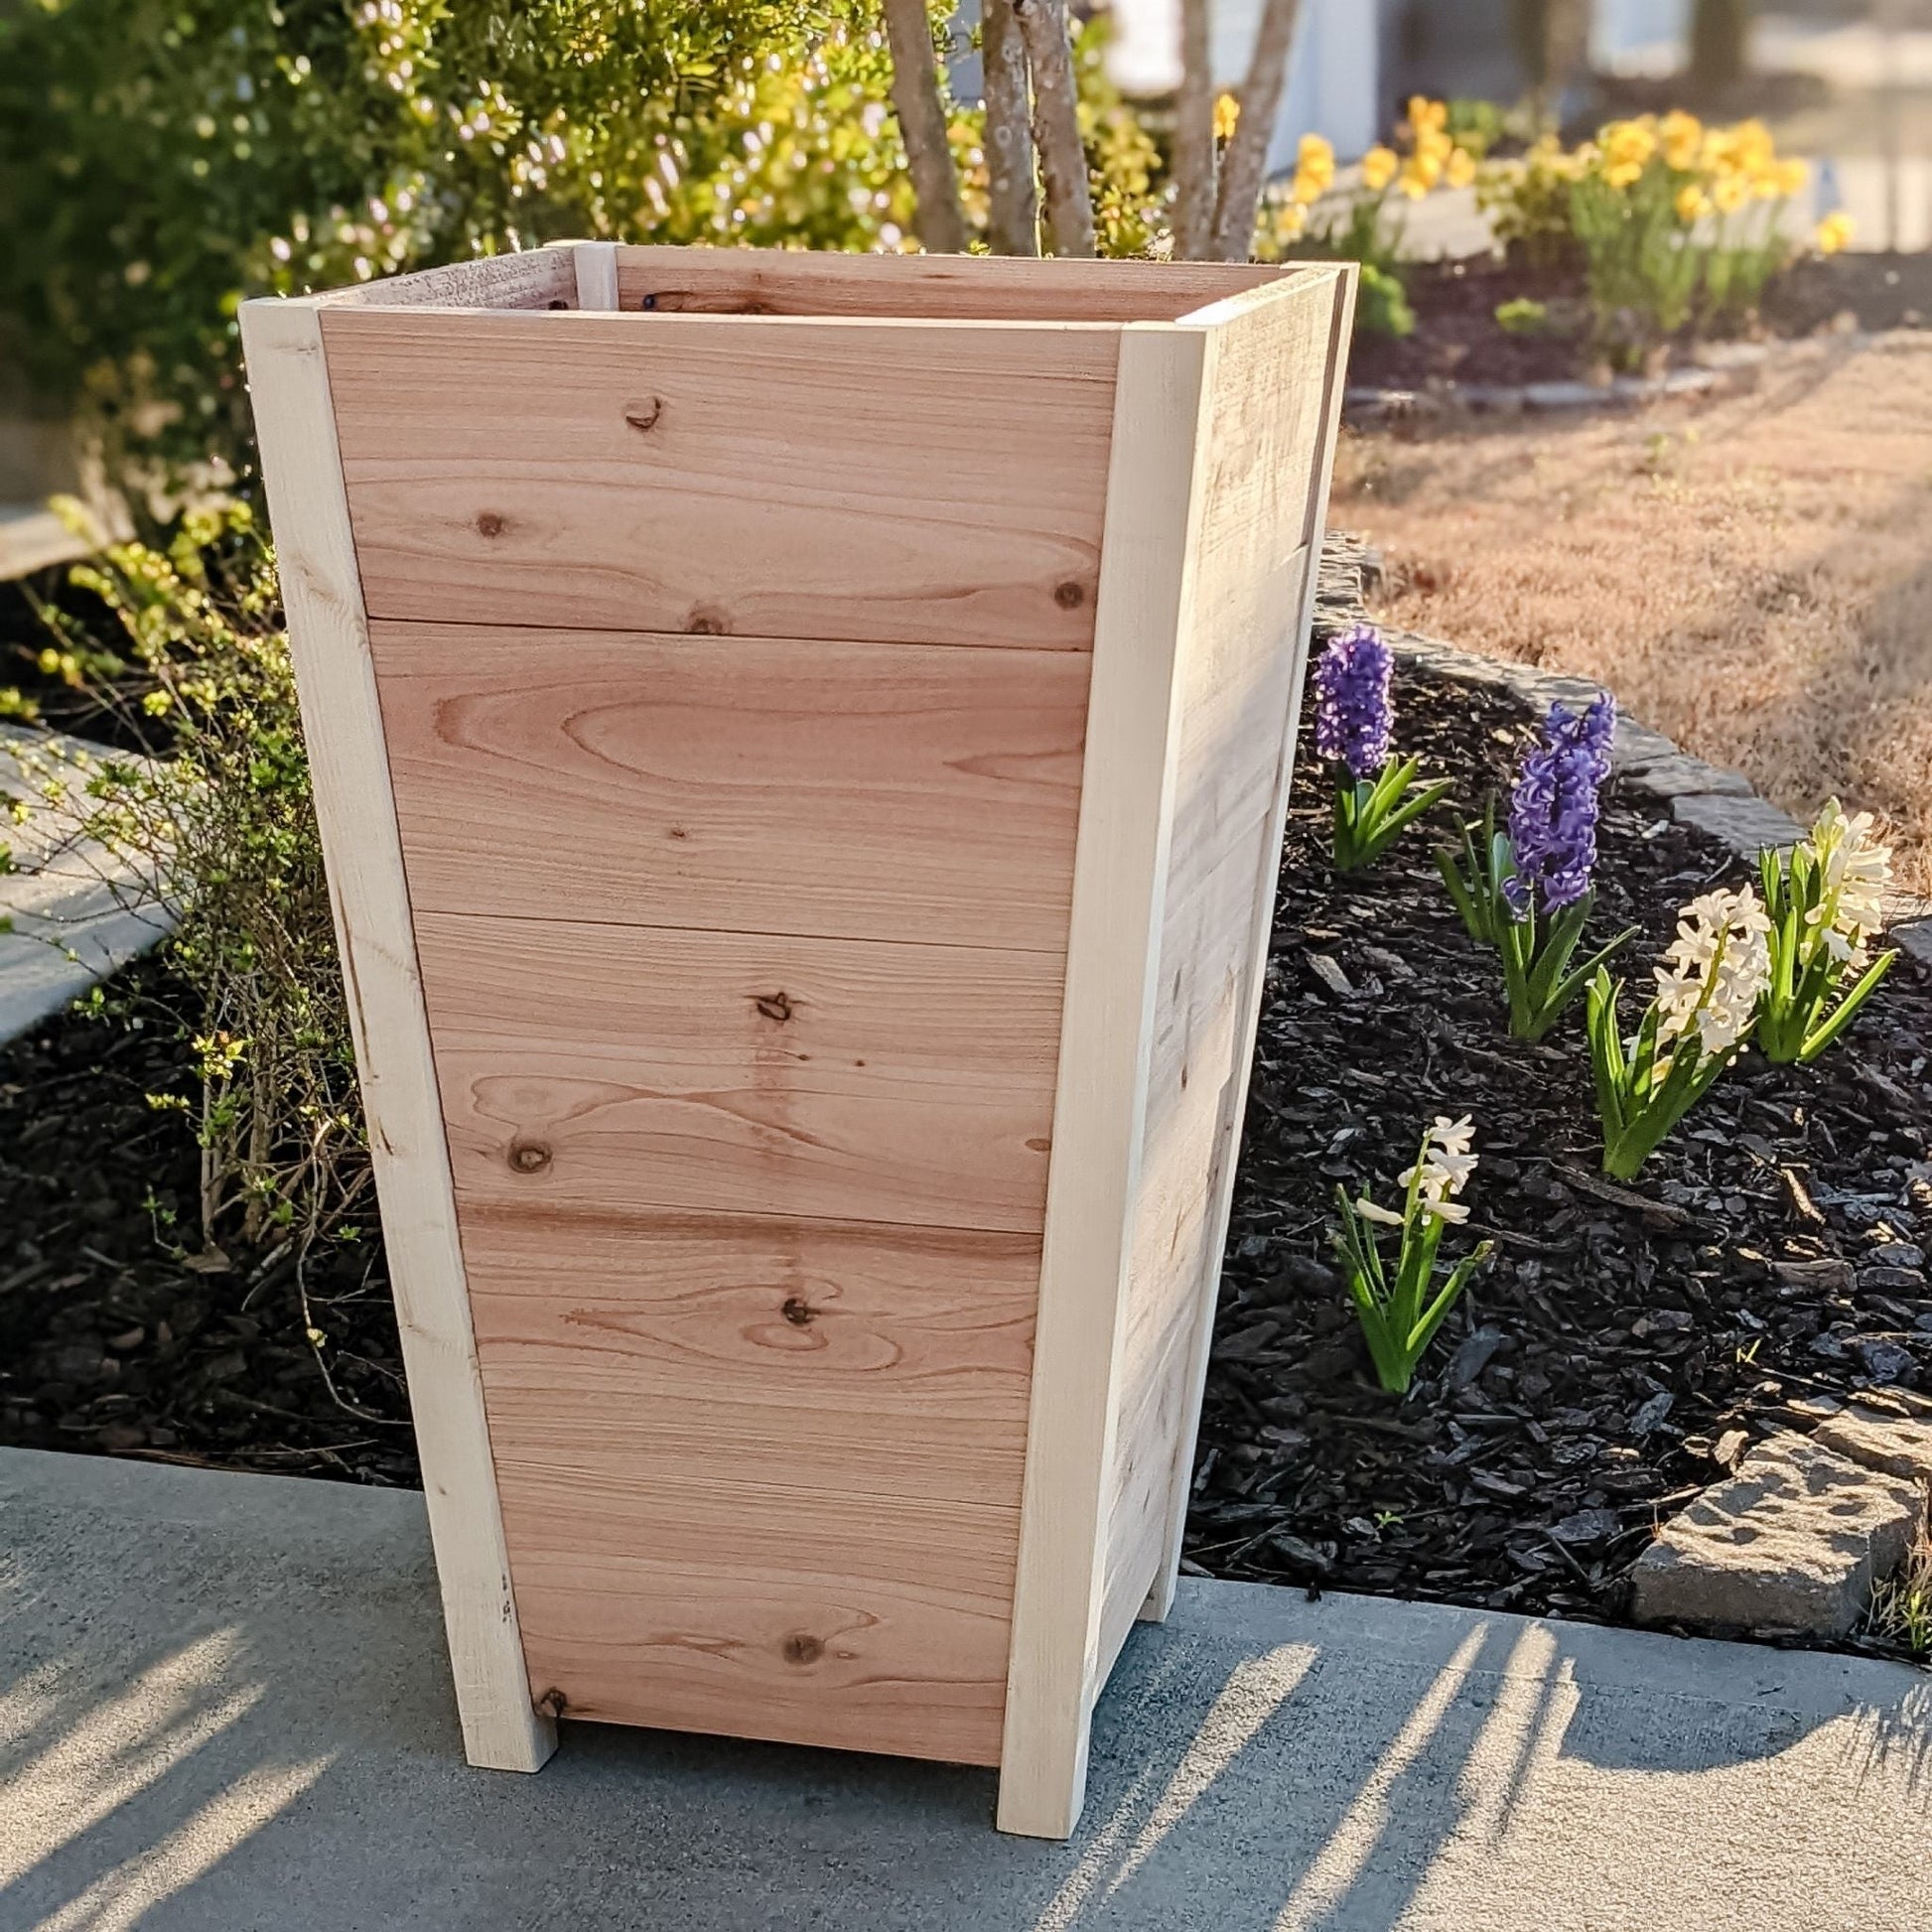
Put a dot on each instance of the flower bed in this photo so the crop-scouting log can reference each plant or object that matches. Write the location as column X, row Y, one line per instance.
column 1623, row 1344
column 1764, row 1264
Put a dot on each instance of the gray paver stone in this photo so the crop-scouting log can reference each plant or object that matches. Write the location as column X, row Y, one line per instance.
column 1743, row 824
column 1682, row 775
column 1791, row 1545
column 1896, row 1445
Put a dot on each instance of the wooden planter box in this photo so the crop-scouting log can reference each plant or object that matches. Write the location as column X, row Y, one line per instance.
column 801, row 743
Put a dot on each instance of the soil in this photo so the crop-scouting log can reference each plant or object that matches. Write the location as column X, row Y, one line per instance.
column 1457, row 338
column 110, row 1339
column 1768, row 1262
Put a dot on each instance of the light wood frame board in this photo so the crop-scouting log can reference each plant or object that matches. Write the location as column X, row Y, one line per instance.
column 801, row 745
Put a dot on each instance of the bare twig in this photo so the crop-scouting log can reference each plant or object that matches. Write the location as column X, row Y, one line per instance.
column 922, row 124
column 1245, row 164
column 1194, row 137
column 1013, row 199
column 1056, row 124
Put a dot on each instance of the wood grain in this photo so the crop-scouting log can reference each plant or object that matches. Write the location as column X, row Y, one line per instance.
column 1260, row 538
column 833, row 1357
column 536, row 278
column 961, row 287
column 889, row 791
column 1120, row 863
column 734, row 1608
column 343, row 725
column 625, row 1067
column 870, row 481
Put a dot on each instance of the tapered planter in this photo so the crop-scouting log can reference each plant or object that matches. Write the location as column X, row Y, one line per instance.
column 801, row 744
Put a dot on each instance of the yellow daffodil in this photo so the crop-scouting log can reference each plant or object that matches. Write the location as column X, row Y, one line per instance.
column 1693, row 204
column 1291, row 222
column 1227, row 112
column 1833, row 233
column 1426, row 115
column 1461, row 167
column 1420, row 173
column 1681, row 136
column 1623, row 174
column 1730, row 192
column 1378, row 168
column 1788, row 177
column 1629, row 144
column 1314, row 169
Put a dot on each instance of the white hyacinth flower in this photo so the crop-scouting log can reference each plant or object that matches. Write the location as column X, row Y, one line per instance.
column 1446, row 1165
column 1368, row 1210
column 1853, row 870
column 1714, row 970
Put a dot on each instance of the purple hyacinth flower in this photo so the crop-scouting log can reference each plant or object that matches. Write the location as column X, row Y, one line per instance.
column 1353, row 713
column 1552, row 810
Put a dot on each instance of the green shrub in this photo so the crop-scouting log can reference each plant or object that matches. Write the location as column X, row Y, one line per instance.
column 226, row 816
column 159, row 160
column 1523, row 316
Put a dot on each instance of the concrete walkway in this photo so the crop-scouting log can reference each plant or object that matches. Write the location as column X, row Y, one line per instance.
column 226, row 1707
column 70, row 911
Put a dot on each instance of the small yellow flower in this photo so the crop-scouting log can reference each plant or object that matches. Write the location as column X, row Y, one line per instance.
column 1730, row 192
column 1834, row 233
column 1629, row 144
column 1461, row 169
column 1314, row 169
column 1426, row 115
column 1227, row 112
column 1378, row 168
column 1788, row 177
column 1693, row 204
column 1623, row 174
column 1420, row 173
column 1681, row 136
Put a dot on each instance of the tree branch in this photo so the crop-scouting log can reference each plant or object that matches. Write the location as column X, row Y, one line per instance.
column 922, row 126
column 1056, row 124
column 1194, row 137
column 1245, row 164
column 1013, row 216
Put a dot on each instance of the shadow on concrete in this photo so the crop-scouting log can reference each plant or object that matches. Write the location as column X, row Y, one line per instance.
column 226, row 1704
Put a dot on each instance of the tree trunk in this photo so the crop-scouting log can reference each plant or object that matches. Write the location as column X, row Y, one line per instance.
column 1244, row 165
column 1719, row 30
column 1056, row 124
column 922, row 125
column 1012, row 200
column 1194, row 137
column 1552, row 40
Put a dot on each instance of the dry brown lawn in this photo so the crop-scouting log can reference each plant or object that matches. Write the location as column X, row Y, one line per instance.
column 1751, row 575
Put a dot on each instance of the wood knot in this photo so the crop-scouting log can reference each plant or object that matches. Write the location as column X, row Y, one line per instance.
column 552, row 1704
column 647, row 302
column 703, row 621
column 644, row 415
column 801, row 1647
column 1040, row 1144
column 529, row 1157
column 557, row 303
column 490, row 525
column 1069, row 596
column 774, row 1006
column 798, row 1312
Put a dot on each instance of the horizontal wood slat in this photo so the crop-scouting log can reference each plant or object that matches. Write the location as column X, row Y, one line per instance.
column 731, row 1608
column 964, row 288
column 890, row 791
column 628, row 1068
column 908, row 482
column 828, row 1356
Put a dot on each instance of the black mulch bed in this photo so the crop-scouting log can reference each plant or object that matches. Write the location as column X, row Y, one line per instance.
column 1764, row 1265
column 108, row 1341
column 1768, row 1263
column 1458, row 339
